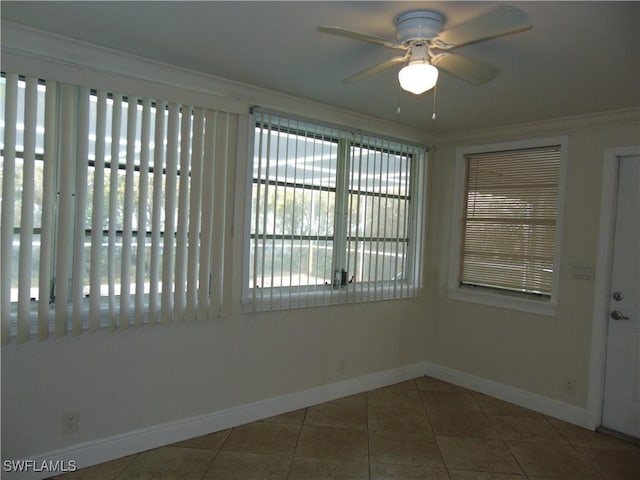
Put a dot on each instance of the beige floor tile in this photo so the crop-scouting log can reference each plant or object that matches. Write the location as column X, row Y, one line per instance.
column 332, row 443
column 102, row 471
column 407, row 384
column 552, row 461
column 581, row 437
column 418, row 429
column 387, row 471
column 248, row 466
column 404, row 449
column 401, row 398
column 614, row 464
column 456, row 423
column 169, row 463
column 388, row 419
column 458, row 401
column 527, row 429
column 477, row 454
column 358, row 398
column 347, row 415
column 435, row 385
column 294, row 418
column 319, row 469
column 212, row 441
column 263, row 437
column 464, row 475
column 495, row 406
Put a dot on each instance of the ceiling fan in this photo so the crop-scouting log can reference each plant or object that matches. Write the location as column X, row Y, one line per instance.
column 428, row 47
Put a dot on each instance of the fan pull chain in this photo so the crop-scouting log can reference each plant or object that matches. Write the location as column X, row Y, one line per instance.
column 435, row 91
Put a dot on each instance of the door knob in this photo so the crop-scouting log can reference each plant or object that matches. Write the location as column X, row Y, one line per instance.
column 617, row 315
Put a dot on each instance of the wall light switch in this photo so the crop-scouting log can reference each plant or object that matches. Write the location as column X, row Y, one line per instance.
column 582, row 271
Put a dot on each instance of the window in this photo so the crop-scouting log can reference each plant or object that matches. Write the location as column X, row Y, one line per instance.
column 108, row 207
column 510, row 210
column 335, row 216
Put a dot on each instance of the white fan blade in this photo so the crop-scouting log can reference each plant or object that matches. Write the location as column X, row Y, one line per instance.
column 375, row 69
column 502, row 20
column 470, row 70
column 366, row 37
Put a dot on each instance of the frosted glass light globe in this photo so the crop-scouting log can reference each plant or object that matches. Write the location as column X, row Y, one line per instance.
column 418, row 77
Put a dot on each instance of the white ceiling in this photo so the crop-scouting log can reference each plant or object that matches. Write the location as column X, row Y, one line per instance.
column 579, row 58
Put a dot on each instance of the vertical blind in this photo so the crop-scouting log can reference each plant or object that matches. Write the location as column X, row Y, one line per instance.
column 510, row 219
column 334, row 215
column 115, row 209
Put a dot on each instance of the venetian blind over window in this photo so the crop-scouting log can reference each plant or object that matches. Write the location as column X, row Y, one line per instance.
column 115, row 209
column 510, row 219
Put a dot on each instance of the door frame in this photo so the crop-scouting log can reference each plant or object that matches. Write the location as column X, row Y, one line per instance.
column 602, row 283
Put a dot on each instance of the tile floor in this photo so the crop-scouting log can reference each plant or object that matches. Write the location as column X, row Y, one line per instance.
column 418, row 429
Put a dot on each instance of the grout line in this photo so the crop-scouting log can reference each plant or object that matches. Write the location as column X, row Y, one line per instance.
column 293, row 456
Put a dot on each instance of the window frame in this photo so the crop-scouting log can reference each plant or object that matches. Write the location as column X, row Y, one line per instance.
column 309, row 296
column 496, row 297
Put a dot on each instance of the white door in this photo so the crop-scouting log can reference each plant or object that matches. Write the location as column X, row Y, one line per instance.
column 622, row 373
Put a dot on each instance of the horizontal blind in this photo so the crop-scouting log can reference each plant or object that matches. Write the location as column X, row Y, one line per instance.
column 510, row 219
column 102, row 199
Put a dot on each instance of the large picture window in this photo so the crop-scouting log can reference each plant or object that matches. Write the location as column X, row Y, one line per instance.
column 335, row 216
column 108, row 208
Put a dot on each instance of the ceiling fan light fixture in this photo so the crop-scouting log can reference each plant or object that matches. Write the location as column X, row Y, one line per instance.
column 418, row 77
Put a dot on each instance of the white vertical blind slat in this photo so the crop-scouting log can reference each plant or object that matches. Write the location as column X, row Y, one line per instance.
column 219, row 213
column 65, row 208
column 168, row 244
column 158, row 167
column 95, row 281
column 208, row 178
column 183, row 214
column 195, row 208
column 8, row 199
column 47, row 236
column 143, row 192
column 127, row 213
column 26, row 214
column 257, row 205
column 228, row 218
column 82, row 155
column 116, row 125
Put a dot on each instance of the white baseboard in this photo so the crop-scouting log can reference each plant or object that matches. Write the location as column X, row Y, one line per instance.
column 103, row 450
column 548, row 406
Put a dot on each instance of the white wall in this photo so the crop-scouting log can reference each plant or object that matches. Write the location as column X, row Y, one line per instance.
column 530, row 352
column 127, row 381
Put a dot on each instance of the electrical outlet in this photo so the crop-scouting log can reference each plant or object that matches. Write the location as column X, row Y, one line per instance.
column 342, row 366
column 70, row 422
column 568, row 385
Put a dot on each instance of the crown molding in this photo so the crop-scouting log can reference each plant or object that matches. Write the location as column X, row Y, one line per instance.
column 565, row 125
column 27, row 47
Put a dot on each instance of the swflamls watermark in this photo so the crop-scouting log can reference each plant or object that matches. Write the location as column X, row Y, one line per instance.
column 50, row 466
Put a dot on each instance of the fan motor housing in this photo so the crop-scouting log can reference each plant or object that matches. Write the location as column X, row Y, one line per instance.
column 418, row 24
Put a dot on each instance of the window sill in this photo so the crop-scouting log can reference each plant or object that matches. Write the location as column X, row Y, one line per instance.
column 547, row 307
column 286, row 299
